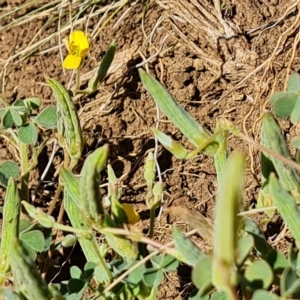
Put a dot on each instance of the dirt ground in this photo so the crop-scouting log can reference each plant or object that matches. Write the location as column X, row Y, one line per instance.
column 216, row 62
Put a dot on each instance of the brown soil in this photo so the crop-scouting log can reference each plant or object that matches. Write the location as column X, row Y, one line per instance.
column 213, row 70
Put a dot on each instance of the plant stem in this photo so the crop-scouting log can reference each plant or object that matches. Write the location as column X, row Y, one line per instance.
column 77, row 83
column 152, row 218
column 24, row 192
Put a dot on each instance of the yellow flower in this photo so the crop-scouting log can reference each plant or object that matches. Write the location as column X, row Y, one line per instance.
column 132, row 215
column 77, row 46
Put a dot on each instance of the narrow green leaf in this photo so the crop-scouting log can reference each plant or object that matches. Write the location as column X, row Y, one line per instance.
column 71, row 184
column 287, row 207
column 273, row 138
column 119, row 243
column 229, row 202
column 8, row 294
column 68, row 123
column 174, row 147
column 10, row 225
column 27, row 279
column 90, row 248
column 195, row 133
column 38, row 215
column 114, row 194
column 103, row 68
column 91, row 198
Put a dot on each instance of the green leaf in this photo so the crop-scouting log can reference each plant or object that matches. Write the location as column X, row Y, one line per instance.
column 195, row 295
column 174, row 147
column 284, row 103
column 295, row 115
column 153, row 277
column 76, row 273
column 103, row 68
column 77, row 286
column 31, row 252
column 91, row 199
column 264, row 295
column 245, row 245
column 202, row 275
column 295, row 142
column 7, row 120
column 137, row 275
column 290, row 283
column 259, row 275
column 24, row 224
column 229, row 203
column 169, row 263
column 293, row 84
column 8, row 169
column 10, row 230
column 88, row 269
column 71, row 184
column 47, row 117
column 189, row 252
column 219, row 296
column 272, row 137
column 27, row 278
column 287, row 207
column 2, row 112
column 8, row 294
column 28, row 134
column 195, row 133
column 34, row 239
column 47, row 232
column 16, row 117
column 100, row 274
column 33, row 103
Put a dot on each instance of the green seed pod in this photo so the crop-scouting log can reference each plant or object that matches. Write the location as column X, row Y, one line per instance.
column 69, row 240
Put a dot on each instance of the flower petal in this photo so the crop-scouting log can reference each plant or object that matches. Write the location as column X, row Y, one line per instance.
column 131, row 213
column 80, row 40
column 72, row 62
column 66, row 43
